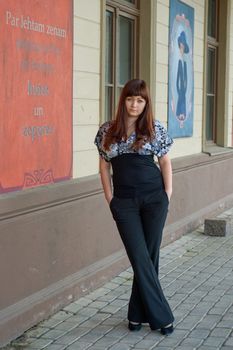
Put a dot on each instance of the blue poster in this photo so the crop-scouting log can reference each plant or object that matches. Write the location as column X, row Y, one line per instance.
column 180, row 79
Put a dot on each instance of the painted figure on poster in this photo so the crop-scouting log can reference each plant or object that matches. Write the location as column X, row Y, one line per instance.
column 181, row 80
column 181, row 73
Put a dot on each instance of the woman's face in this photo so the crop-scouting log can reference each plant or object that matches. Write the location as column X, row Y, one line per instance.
column 135, row 105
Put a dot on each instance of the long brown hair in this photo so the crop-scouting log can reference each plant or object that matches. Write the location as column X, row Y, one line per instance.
column 144, row 123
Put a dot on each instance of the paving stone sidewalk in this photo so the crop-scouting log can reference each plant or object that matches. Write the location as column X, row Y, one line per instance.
column 196, row 274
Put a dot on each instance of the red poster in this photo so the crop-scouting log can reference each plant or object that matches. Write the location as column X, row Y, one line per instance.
column 36, row 92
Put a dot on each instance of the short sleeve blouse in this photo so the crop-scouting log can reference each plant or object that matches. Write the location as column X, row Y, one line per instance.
column 158, row 146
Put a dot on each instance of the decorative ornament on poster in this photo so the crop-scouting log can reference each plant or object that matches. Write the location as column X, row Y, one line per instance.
column 36, row 48
column 181, row 76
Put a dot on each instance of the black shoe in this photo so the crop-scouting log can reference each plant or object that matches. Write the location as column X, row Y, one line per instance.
column 134, row 327
column 167, row 330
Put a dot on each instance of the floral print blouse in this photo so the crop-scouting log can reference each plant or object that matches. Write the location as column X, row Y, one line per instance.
column 158, row 146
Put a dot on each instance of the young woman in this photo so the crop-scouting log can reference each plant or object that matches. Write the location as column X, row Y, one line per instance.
column 140, row 198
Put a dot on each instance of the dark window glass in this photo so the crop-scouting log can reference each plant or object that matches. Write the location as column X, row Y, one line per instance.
column 209, row 118
column 109, row 66
column 125, row 50
column 211, row 69
column 108, row 102
column 211, row 93
column 109, row 47
column 212, row 18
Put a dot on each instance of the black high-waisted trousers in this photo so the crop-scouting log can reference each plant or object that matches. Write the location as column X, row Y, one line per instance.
column 140, row 219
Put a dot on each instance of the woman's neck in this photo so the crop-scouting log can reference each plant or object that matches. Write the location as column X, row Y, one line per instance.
column 130, row 121
column 130, row 125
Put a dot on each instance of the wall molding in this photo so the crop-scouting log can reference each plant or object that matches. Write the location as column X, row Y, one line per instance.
column 44, row 197
column 186, row 163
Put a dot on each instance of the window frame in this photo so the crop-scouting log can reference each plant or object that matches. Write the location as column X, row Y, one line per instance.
column 124, row 4
column 214, row 94
column 212, row 43
column 106, row 84
column 131, row 11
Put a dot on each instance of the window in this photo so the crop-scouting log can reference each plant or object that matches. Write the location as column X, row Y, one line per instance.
column 212, row 71
column 121, row 58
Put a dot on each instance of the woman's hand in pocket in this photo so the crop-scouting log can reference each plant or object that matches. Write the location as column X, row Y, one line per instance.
column 109, row 198
column 169, row 194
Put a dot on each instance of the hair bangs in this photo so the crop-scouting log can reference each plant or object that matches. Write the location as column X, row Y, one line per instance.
column 136, row 87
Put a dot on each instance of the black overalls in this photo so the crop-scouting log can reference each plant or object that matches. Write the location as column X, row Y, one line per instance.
column 139, row 207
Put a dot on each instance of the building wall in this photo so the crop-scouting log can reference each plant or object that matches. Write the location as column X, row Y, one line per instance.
column 229, row 115
column 193, row 145
column 86, row 84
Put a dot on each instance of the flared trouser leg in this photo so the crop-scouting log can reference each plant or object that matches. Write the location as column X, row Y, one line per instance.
column 140, row 224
